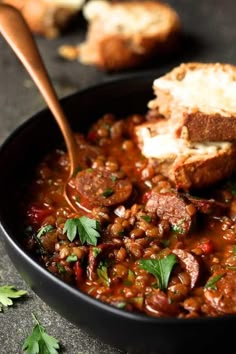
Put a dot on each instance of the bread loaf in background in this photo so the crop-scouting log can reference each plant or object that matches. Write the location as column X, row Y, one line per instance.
column 124, row 34
column 47, row 17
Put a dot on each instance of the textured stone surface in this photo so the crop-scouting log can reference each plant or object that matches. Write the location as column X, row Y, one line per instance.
column 210, row 36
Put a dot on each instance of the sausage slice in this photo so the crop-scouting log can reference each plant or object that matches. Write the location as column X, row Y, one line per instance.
column 157, row 304
column 221, row 296
column 102, row 187
column 173, row 208
column 190, row 263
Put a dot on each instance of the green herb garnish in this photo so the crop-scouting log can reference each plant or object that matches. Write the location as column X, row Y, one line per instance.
column 178, row 228
column 121, row 304
column 72, row 258
column 232, row 186
column 161, row 268
column 234, row 250
column 108, row 192
column 77, row 170
column 147, row 218
column 102, row 272
column 165, row 243
column 39, row 342
column 113, row 178
column 44, row 230
column 211, row 284
column 96, row 251
column 85, row 228
column 7, row 293
column 60, row 268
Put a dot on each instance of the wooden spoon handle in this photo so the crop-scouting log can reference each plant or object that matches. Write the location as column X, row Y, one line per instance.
column 18, row 35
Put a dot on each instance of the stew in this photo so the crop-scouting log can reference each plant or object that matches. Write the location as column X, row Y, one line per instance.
column 136, row 242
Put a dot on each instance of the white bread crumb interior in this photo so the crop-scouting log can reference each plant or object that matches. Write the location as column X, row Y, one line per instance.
column 207, row 89
column 128, row 19
column 164, row 146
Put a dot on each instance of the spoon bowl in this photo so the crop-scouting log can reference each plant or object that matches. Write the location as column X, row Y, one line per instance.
column 16, row 32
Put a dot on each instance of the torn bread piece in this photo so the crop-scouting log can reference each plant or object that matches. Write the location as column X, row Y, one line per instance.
column 47, row 17
column 124, row 34
column 199, row 99
column 189, row 165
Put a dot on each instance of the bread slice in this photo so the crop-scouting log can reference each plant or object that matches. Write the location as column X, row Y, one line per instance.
column 124, row 34
column 47, row 17
column 189, row 165
column 200, row 100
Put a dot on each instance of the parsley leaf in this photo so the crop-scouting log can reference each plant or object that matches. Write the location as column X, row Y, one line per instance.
column 39, row 341
column 234, row 250
column 7, row 293
column 232, row 187
column 146, row 218
column 87, row 230
column 72, row 258
column 44, row 229
column 77, row 170
column 211, row 284
column 161, row 268
column 108, row 192
column 102, row 272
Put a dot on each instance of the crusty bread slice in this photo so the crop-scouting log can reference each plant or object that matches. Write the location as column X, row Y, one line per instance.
column 190, row 165
column 200, row 100
column 47, row 17
column 124, row 34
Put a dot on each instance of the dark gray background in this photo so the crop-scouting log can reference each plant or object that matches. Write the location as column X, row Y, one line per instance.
column 209, row 28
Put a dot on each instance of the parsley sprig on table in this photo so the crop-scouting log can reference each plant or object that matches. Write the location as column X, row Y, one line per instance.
column 7, row 293
column 39, row 342
column 161, row 268
column 87, row 230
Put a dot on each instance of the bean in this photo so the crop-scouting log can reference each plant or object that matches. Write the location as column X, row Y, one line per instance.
column 121, row 255
column 137, row 233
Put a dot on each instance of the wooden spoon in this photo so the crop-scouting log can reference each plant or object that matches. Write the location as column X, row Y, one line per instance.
column 18, row 35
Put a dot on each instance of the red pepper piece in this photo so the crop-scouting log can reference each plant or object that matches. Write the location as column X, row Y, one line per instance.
column 78, row 271
column 207, row 247
column 37, row 215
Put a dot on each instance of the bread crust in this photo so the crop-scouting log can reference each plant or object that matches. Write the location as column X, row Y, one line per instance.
column 201, row 127
column 119, row 49
column 45, row 17
column 192, row 123
column 200, row 173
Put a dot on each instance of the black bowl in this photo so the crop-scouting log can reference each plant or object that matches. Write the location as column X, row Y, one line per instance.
column 129, row 331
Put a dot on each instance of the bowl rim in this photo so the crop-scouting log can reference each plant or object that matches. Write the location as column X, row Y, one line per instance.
column 18, row 247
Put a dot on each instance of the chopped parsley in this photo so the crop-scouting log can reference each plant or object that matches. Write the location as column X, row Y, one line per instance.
column 147, row 218
column 72, row 258
column 113, row 178
column 232, row 186
column 102, row 272
column 85, row 228
column 121, row 305
column 234, row 250
column 161, row 268
column 178, row 227
column 211, row 284
column 60, row 268
column 44, row 230
column 108, row 192
column 77, row 170
column 96, row 251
